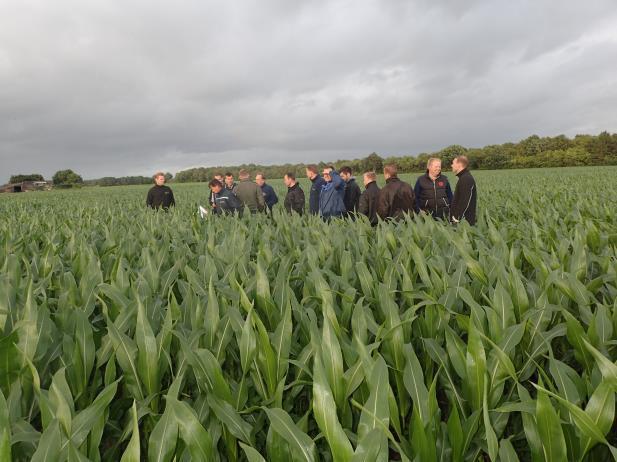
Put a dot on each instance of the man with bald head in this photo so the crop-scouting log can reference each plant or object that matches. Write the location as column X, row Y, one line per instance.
column 270, row 196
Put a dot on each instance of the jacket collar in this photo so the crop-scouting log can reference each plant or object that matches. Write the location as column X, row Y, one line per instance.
column 392, row 179
column 317, row 177
column 462, row 172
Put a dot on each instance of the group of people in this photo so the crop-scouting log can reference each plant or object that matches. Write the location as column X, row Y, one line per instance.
column 335, row 194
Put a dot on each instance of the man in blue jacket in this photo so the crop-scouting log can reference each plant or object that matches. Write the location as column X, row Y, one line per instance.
column 270, row 196
column 331, row 197
column 317, row 183
column 225, row 200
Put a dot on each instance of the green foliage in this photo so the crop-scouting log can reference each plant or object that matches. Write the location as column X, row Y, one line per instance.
column 131, row 334
column 66, row 178
column 30, row 177
column 532, row 152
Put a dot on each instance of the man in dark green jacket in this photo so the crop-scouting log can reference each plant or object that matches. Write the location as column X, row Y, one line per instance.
column 249, row 193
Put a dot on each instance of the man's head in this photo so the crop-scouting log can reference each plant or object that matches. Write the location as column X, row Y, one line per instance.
column 459, row 163
column 260, row 179
column 219, row 177
column 289, row 179
column 327, row 173
column 433, row 166
column 229, row 179
column 345, row 173
column 215, row 186
column 389, row 171
column 159, row 178
column 311, row 171
column 369, row 177
column 243, row 175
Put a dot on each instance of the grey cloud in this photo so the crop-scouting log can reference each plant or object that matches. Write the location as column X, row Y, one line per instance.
column 116, row 88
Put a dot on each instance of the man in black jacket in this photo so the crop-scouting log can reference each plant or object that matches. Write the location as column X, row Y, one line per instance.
column 294, row 200
column 352, row 191
column 230, row 184
column 465, row 194
column 396, row 198
column 160, row 196
column 312, row 173
column 368, row 200
column 433, row 192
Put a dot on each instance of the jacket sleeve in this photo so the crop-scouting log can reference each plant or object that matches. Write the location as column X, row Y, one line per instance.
column 149, row 199
column 383, row 208
column 275, row 198
column 417, row 190
column 449, row 192
column 462, row 196
column 172, row 201
column 261, row 203
column 356, row 197
column 363, row 207
column 299, row 201
column 337, row 181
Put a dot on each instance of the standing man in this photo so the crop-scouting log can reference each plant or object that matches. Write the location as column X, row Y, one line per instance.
column 331, row 203
column 352, row 191
column 270, row 196
column 369, row 198
column 160, row 196
column 225, row 201
column 433, row 192
column 465, row 193
column 317, row 183
column 249, row 193
column 396, row 198
column 229, row 182
column 294, row 200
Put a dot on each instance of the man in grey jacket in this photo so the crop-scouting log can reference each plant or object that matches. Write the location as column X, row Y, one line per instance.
column 249, row 193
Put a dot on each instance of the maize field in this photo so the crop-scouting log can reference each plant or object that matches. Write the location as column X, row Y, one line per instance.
column 128, row 334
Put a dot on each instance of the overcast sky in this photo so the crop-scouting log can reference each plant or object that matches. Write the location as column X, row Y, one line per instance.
column 109, row 87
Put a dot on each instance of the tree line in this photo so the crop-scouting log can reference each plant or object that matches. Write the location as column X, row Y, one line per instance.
column 532, row 152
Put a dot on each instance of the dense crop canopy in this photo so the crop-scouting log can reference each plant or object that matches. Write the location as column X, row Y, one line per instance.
column 127, row 334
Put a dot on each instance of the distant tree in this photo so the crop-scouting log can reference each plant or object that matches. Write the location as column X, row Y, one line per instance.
column 168, row 176
column 67, row 178
column 373, row 162
column 30, row 177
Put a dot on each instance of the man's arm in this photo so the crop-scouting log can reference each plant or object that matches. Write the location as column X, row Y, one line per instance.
column 462, row 196
column 383, row 208
column 449, row 192
column 275, row 198
column 337, row 181
column 298, row 201
column 149, row 199
column 417, row 190
column 172, row 201
column 261, row 203
column 363, row 204
column 355, row 196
